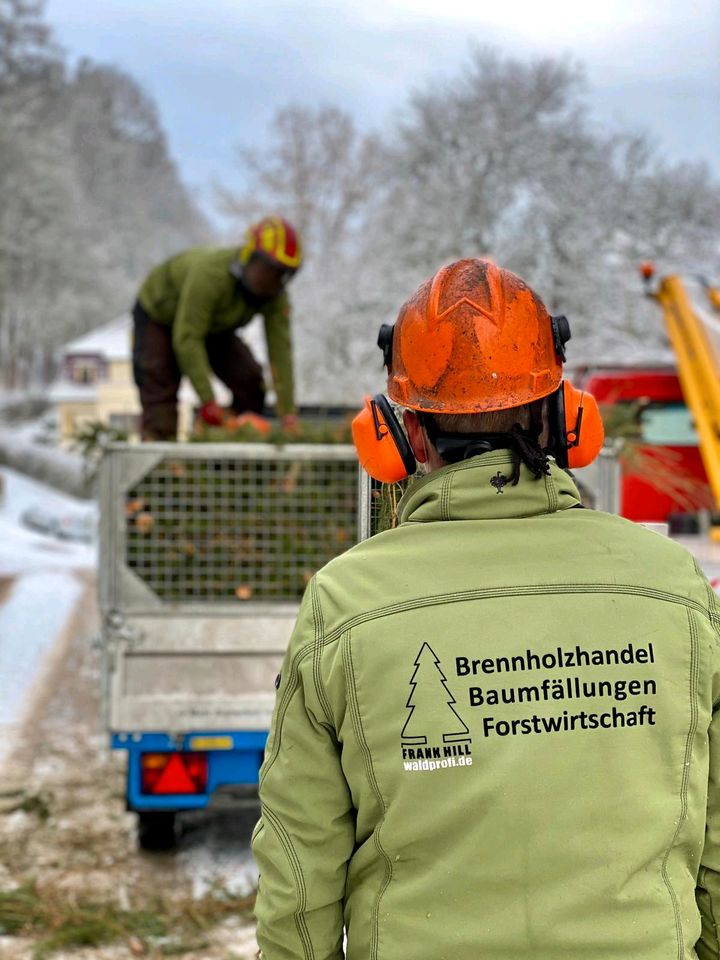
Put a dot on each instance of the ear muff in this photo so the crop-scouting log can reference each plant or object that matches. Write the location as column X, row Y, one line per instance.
column 385, row 342
column 381, row 444
column 577, row 426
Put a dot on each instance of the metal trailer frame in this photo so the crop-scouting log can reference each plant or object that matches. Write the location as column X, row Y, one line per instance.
column 143, row 634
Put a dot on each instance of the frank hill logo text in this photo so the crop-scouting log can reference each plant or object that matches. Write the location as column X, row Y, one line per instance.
column 434, row 736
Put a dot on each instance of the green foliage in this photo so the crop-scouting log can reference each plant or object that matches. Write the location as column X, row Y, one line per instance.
column 21, row 910
column 327, row 432
column 385, row 503
column 96, row 435
column 59, row 920
column 186, row 946
column 622, row 421
column 91, row 440
column 37, row 804
column 78, row 932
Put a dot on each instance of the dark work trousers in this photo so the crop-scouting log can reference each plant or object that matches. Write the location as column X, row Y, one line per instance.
column 158, row 375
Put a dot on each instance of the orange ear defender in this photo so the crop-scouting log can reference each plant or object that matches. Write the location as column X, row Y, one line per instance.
column 578, row 431
column 381, row 444
column 384, row 451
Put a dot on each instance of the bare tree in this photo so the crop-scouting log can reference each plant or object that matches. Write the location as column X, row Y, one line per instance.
column 315, row 168
column 319, row 171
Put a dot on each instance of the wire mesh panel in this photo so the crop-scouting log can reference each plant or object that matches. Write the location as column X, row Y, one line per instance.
column 237, row 527
column 222, row 529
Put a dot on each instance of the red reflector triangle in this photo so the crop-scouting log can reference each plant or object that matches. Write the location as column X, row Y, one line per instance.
column 175, row 778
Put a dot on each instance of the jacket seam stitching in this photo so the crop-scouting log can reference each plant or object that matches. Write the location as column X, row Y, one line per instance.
column 489, row 593
column 711, row 600
column 684, row 782
column 445, row 497
column 298, row 914
column 552, row 494
column 282, row 710
column 374, row 786
column 317, row 650
column 533, row 515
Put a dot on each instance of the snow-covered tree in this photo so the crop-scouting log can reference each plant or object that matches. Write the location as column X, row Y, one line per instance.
column 501, row 160
column 89, row 198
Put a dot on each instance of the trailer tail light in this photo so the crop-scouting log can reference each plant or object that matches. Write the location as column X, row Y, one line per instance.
column 172, row 773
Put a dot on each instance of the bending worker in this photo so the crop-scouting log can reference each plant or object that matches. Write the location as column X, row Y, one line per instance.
column 185, row 319
column 495, row 733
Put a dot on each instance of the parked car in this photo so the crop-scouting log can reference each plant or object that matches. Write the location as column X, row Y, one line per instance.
column 65, row 525
column 40, row 520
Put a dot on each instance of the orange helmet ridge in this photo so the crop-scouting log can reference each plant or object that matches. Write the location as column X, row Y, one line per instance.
column 473, row 338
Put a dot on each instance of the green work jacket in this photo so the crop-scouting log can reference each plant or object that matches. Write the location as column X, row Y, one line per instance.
column 496, row 738
column 195, row 293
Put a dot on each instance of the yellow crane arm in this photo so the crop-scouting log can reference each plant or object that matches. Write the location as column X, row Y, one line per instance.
column 698, row 370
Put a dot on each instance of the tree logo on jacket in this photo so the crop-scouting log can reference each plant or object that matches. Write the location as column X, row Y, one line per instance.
column 434, row 735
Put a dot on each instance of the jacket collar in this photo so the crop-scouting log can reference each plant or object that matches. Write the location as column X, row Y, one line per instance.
column 480, row 489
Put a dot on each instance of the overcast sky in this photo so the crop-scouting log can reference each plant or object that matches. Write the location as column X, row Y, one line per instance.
column 219, row 71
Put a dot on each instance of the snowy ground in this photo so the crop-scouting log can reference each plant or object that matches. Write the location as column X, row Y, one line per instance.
column 63, row 822
column 41, row 580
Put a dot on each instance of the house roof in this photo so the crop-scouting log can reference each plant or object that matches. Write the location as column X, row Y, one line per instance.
column 111, row 341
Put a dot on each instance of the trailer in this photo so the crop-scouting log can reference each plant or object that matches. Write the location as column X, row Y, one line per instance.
column 205, row 552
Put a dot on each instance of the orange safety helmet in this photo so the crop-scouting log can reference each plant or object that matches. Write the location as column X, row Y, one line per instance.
column 473, row 338
column 276, row 239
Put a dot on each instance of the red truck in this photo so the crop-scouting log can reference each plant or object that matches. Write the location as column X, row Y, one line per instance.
column 663, row 477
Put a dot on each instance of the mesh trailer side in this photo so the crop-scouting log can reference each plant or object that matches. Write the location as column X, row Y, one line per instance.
column 214, row 526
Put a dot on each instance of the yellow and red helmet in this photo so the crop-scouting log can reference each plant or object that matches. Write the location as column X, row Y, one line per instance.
column 276, row 239
column 473, row 338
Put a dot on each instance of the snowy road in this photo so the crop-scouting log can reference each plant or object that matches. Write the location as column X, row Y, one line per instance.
column 41, row 581
column 48, row 671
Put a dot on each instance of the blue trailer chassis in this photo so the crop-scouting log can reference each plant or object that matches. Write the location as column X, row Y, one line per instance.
column 237, row 765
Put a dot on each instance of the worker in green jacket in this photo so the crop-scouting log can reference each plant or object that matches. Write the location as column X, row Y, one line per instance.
column 496, row 734
column 185, row 318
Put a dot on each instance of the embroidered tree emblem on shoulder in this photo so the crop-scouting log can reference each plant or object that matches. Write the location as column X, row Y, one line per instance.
column 431, row 703
column 498, row 481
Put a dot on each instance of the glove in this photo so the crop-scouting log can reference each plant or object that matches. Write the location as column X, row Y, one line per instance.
column 249, row 419
column 212, row 414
